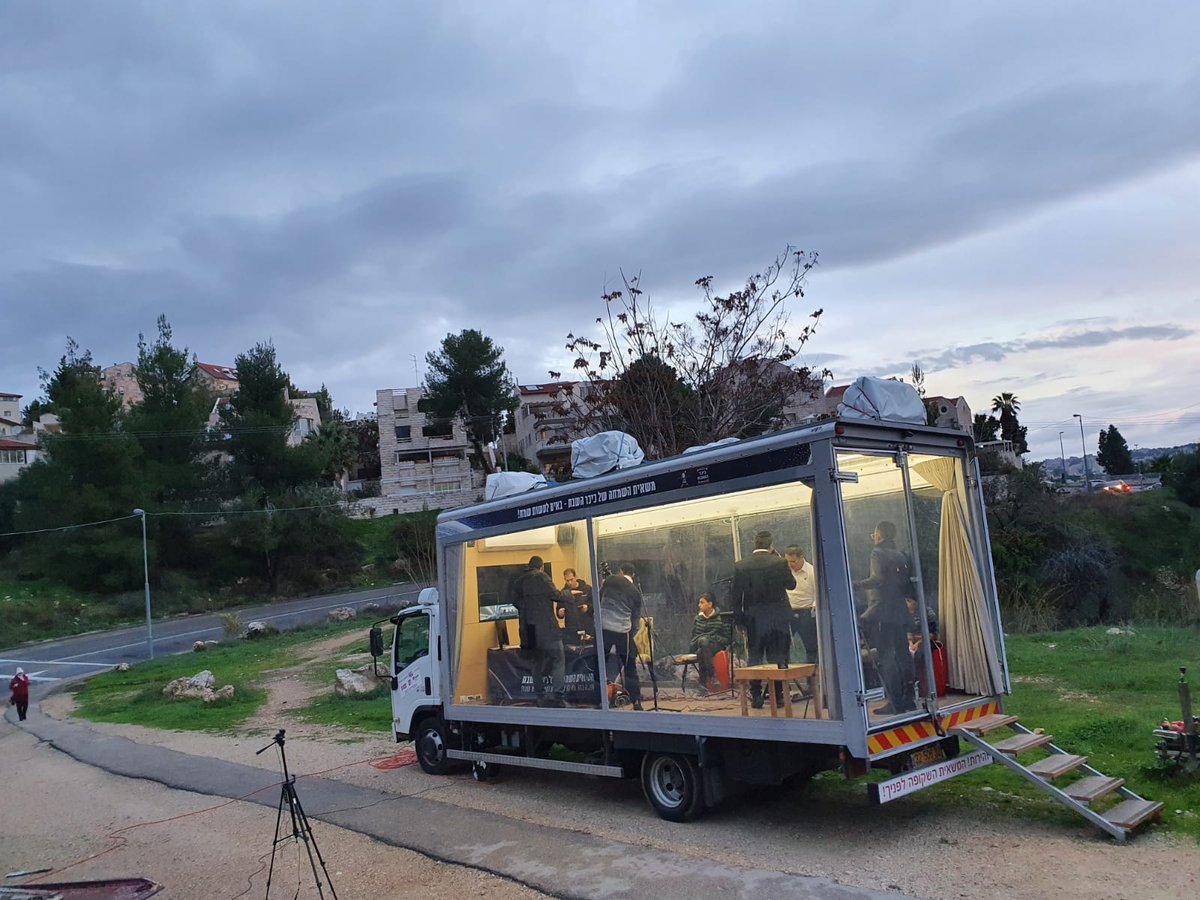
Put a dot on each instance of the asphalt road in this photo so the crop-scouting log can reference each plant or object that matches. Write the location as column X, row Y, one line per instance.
column 50, row 661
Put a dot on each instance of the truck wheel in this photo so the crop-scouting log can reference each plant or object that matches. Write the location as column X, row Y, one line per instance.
column 673, row 785
column 431, row 744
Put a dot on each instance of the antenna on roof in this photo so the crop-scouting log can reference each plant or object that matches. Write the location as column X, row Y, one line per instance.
column 416, row 370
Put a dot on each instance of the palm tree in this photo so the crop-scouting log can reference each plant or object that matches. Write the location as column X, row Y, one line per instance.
column 1006, row 403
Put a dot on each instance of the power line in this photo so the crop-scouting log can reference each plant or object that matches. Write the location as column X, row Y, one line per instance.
column 67, row 527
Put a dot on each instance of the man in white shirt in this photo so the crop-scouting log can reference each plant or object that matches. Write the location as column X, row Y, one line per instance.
column 803, row 599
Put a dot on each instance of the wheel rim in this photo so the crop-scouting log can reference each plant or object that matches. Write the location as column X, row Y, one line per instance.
column 433, row 748
column 667, row 782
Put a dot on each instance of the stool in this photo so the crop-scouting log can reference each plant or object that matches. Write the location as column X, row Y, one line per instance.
column 685, row 660
column 773, row 674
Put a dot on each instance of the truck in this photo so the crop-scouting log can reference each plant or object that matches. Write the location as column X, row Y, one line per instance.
column 467, row 693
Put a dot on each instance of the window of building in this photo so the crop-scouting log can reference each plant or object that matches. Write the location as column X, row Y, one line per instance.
column 404, row 432
column 13, row 456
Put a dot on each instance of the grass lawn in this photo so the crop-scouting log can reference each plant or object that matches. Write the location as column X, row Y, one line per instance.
column 1099, row 695
column 135, row 697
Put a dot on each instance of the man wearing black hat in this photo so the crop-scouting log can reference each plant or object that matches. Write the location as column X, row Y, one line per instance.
column 536, row 600
column 759, row 595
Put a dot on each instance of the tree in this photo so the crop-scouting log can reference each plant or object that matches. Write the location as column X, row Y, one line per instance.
column 366, row 437
column 729, row 372
column 34, row 410
column 1007, row 405
column 1183, row 477
column 1112, row 453
column 984, row 428
column 468, row 379
column 168, row 423
column 258, row 419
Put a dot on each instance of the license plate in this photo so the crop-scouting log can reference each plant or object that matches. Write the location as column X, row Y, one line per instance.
column 927, row 756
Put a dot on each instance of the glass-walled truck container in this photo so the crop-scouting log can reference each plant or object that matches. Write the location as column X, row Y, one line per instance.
column 854, row 695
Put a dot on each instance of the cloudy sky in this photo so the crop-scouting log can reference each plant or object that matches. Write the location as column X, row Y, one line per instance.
column 1007, row 193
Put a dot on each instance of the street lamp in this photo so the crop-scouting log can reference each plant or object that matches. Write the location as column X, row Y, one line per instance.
column 1063, row 456
column 1087, row 475
column 146, row 573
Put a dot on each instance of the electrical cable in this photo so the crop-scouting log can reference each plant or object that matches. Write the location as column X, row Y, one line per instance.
column 68, row 527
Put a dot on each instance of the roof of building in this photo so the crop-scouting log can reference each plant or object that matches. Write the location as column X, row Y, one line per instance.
column 224, row 372
column 15, row 445
column 550, row 387
column 11, row 396
column 835, row 393
column 4, row 421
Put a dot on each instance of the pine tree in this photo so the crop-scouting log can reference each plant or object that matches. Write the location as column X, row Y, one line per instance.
column 1112, row 452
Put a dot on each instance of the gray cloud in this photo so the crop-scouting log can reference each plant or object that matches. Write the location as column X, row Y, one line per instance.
column 356, row 186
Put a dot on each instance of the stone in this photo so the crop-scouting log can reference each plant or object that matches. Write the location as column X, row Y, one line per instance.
column 368, row 569
column 193, row 688
column 121, row 667
column 199, row 647
column 225, row 693
column 341, row 614
column 349, row 683
column 371, row 607
column 259, row 629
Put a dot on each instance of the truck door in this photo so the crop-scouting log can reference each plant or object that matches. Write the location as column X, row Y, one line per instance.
column 414, row 668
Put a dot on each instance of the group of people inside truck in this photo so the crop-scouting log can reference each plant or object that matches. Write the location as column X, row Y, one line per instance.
column 772, row 600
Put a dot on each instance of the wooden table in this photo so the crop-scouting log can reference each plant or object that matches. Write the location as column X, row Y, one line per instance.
column 772, row 674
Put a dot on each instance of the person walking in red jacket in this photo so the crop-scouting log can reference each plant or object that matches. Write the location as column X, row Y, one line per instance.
column 19, row 686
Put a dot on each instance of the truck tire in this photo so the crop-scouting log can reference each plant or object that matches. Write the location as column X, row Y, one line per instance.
column 431, row 743
column 673, row 785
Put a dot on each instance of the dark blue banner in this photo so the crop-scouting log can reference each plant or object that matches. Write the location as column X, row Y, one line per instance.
column 590, row 499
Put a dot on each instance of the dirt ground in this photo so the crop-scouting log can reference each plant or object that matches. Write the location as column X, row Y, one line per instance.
column 913, row 845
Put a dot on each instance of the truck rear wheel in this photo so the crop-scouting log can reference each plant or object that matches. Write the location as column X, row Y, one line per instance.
column 673, row 785
column 431, row 744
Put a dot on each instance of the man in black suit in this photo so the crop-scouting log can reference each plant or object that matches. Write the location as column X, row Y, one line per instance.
column 759, row 596
column 536, row 600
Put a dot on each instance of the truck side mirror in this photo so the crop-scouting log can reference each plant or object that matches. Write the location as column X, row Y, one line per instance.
column 376, row 642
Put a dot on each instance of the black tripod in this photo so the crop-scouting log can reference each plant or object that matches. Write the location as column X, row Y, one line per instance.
column 301, row 830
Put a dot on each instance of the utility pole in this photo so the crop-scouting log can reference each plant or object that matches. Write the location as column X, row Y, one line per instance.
column 1087, row 476
column 146, row 573
column 1062, row 455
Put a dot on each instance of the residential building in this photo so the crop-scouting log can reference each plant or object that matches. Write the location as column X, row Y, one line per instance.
column 16, row 455
column 543, row 434
column 217, row 379
column 951, row 413
column 10, row 414
column 222, row 381
column 424, row 462
column 122, row 381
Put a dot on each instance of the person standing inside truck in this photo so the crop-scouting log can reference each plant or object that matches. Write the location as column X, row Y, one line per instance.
column 19, row 687
column 760, row 586
column 803, row 600
column 575, row 608
column 885, row 619
column 536, row 600
column 620, row 616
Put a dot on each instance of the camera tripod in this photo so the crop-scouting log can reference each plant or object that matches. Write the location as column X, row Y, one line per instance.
column 301, row 830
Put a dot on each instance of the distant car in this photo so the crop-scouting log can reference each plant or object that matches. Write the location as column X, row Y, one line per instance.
column 1117, row 487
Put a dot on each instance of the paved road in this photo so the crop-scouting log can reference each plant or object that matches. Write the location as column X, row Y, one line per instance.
column 52, row 661
column 559, row 862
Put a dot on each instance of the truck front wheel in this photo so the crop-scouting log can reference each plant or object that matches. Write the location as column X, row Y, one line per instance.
column 673, row 785
column 431, row 745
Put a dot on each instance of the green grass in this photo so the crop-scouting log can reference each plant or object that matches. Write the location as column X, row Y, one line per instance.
column 367, row 712
column 135, row 697
column 1100, row 695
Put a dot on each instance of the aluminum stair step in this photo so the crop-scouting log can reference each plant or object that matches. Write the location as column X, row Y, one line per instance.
column 1056, row 765
column 1092, row 788
column 1019, row 743
column 984, row 724
column 1132, row 813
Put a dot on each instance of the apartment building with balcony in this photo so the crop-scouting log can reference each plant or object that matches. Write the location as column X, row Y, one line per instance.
column 424, row 461
column 543, row 434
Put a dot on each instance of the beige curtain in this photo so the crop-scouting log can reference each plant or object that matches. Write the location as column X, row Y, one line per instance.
column 966, row 628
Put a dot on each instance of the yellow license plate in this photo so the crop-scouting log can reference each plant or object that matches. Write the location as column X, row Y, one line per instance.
column 927, row 756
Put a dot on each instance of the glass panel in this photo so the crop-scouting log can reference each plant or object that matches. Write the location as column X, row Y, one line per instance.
column 413, row 640
column 681, row 557
column 524, row 632
column 880, row 552
column 953, row 576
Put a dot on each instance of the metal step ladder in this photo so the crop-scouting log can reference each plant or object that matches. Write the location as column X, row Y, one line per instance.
column 1090, row 793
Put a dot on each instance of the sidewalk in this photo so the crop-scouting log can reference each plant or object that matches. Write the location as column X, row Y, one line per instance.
column 555, row 861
